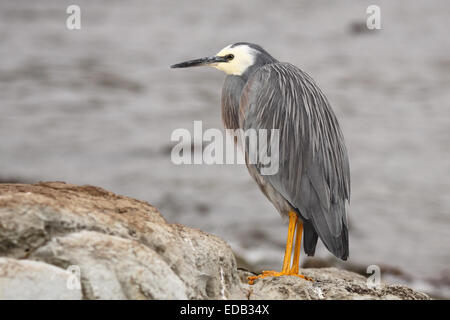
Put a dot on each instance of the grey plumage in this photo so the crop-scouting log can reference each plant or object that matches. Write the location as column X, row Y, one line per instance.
column 314, row 176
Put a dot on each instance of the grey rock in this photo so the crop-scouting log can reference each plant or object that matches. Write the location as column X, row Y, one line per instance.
column 40, row 221
column 33, row 280
column 327, row 284
column 122, row 248
column 114, row 268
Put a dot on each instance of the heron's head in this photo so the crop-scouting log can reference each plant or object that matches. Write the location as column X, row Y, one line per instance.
column 234, row 59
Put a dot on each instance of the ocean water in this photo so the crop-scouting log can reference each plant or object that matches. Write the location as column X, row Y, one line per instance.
column 98, row 106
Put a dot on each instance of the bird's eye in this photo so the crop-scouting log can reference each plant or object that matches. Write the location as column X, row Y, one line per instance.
column 229, row 57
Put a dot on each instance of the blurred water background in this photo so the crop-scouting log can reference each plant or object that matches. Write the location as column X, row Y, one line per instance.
column 98, row 106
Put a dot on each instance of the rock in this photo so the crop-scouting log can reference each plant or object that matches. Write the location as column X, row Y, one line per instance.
column 26, row 279
column 328, row 283
column 66, row 225
column 121, row 248
column 113, row 267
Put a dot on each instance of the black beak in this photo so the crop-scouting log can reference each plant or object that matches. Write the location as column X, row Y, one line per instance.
column 200, row 62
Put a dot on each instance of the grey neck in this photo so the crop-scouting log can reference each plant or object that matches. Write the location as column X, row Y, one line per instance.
column 261, row 60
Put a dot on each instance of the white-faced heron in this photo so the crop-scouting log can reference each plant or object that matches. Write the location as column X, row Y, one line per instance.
column 312, row 185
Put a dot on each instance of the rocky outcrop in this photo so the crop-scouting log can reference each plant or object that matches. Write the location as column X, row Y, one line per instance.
column 328, row 283
column 62, row 241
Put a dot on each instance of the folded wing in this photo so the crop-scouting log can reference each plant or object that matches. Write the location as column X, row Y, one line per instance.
column 313, row 175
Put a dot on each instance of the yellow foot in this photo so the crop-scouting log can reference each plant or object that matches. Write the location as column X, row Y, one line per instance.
column 271, row 273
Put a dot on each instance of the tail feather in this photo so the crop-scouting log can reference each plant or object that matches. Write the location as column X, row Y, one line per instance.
column 317, row 226
column 310, row 238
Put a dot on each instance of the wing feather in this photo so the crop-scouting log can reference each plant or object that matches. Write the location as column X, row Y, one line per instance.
column 314, row 174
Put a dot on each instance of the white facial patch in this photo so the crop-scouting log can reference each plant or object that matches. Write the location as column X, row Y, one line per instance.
column 244, row 57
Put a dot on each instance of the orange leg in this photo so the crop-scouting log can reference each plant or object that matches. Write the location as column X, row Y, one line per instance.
column 293, row 218
column 298, row 244
column 287, row 269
